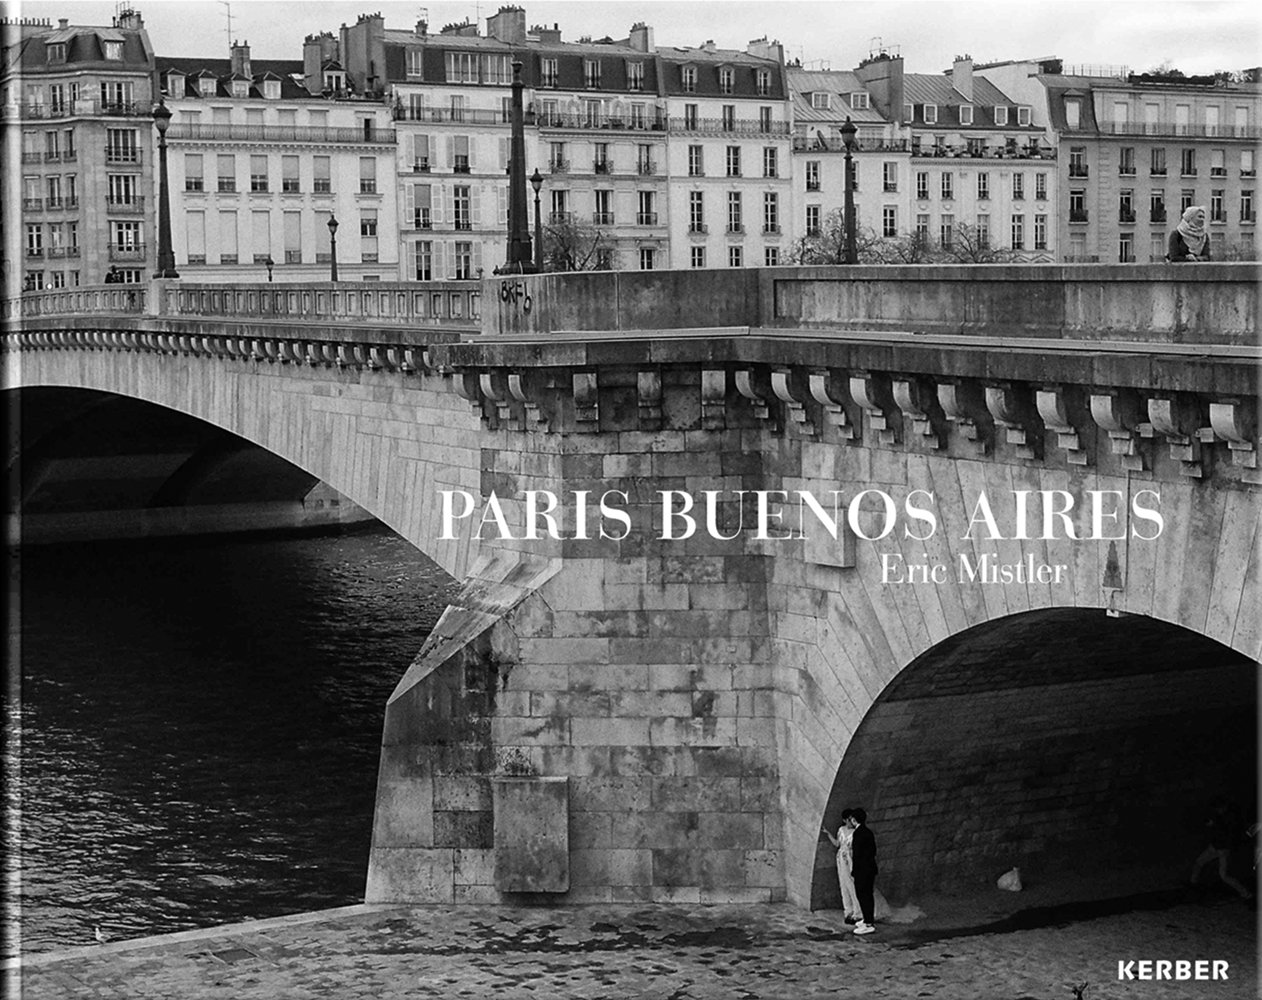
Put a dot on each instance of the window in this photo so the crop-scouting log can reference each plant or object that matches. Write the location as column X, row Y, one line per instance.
column 948, row 185
column 226, row 164
column 114, row 51
column 1246, row 163
column 1186, row 197
column 696, row 165
column 121, row 146
column 291, row 232
column 819, row 100
column 419, row 205
column 889, row 176
column 733, row 161
column 367, row 175
column 647, row 214
column 1126, row 206
column 727, row 79
column 601, row 163
column 464, row 261
column 497, row 69
column 116, row 95
column 261, row 231
column 415, row 62
column 560, row 206
column 56, row 52
column 646, row 258
column 735, row 256
column 859, row 101
column 813, row 213
column 983, row 230
column 1217, row 213
column 193, row 180
column 770, row 166
column 1126, row 161
column 762, row 83
column 1040, row 232
column 1040, row 186
column 121, row 189
column 1073, row 113
column 1001, row 114
column 271, row 90
column 548, row 72
column 1018, row 232
column 688, row 78
column 983, row 185
column 459, row 105
column 966, row 114
column 1157, row 206
column 604, row 208
column 922, row 184
column 909, row 112
column 697, row 256
column 591, row 73
column 1212, row 114
column 1018, row 186
column 34, row 240
column 770, row 212
column 1187, row 161
column 368, row 235
column 771, row 256
column 1126, row 248
column 696, row 212
column 462, row 67
column 946, row 231
column 635, row 76
column 289, row 175
column 1158, row 162
column 604, row 258
column 922, row 227
column 206, row 86
column 931, row 114
column 461, row 162
column 320, row 182
column 812, row 175
column 1024, row 116
column 1077, row 161
column 240, row 88
column 690, row 117
column 729, row 118
column 1218, row 163
column 258, row 173
column 557, row 162
column 1078, row 205
column 1246, row 206
column 764, row 119
column 735, row 220
column 227, row 237
column 889, row 221
column 423, row 260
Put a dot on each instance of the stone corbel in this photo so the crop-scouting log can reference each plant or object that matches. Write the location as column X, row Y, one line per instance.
column 291, row 352
column 1117, row 411
column 794, row 401
column 964, row 406
column 826, row 389
column 1233, row 421
column 520, row 385
column 494, row 386
column 755, row 385
column 1176, row 419
column 1012, row 412
column 376, row 359
column 586, row 401
column 468, row 387
column 918, row 404
column 1054, row 409
column 713, row 399
column 871, row 390
column 648, row 394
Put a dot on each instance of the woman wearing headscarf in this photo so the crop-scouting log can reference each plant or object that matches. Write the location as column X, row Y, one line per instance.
column 1189, row 241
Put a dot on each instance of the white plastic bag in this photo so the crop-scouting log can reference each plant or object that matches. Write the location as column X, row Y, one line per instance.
column 1010, row 880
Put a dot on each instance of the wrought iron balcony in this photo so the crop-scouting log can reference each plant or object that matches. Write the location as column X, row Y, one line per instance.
column 127, row 251
column 602, row 218
column 559, row 166
column 602, row 167
column 1078, row 170
column 646, row 168
column 1077, row 215
column 122, row 154
column 698, row 228
column 129, row 206
column 280, row 133
column 646, row 218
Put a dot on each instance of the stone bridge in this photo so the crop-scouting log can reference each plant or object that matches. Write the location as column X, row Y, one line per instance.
column 976, row 548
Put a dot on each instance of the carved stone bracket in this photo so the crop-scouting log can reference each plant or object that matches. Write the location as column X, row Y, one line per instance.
column 520, row 385
column 494, row 386
column 648, row 394
column 1176, row 419
column 1054, row 409
column 964, row 405
column 1011, row 411
column 755, row 385
column 713, row 399
column 1235, row 422
column 468, row 386
column 826, row 389
column 1117, row 411
column 586, row 401
column 871, row 390
column 916, row 400
column 793, row 400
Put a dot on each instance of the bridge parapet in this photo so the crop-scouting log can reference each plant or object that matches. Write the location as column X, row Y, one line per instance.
column 85, row 300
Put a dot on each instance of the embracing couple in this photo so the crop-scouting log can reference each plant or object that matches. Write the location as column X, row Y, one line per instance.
column 856, row 868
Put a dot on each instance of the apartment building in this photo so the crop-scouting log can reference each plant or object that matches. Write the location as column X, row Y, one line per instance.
column 81, row 99
column 1137, row 149
column 262, row 154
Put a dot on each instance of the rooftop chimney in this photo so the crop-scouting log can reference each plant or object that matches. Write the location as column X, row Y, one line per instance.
column 130, row 19
column 508, row 25
column 641, row 37
column 962, row 76
column 240, row 58
column 708, row 46
column 63, row 23
column 763, row 49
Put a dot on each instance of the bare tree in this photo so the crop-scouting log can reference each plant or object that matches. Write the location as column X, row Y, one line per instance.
column 971, row 245
column 828, row 246
column 569, row 245
column 914, row 248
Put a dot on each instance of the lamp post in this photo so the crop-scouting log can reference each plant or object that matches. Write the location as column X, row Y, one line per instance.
column 332, row 248
column 519, row 258
column 166, row 257
column 848, row 131
column 536, row 182
column 270, row 264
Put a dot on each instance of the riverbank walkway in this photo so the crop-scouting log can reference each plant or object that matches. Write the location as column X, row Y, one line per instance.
column 1002, row 947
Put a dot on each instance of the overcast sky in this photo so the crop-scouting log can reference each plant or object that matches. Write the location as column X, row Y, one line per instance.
column 1196, row 36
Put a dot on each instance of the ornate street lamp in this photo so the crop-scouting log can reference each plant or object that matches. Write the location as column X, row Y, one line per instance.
column 519, row 259
column 332, row 248
column 270, row 264
column 166, row 256
column 536, row 182
column 848, row 131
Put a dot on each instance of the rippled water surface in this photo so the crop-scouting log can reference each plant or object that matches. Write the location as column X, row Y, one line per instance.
column 200, row 724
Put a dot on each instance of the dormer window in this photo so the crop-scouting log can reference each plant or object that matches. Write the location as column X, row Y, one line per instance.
column 635, row 76
column 114, row 51
column 966, row 114
column 762, row 80
column 240, row 88
column 414, row 62
column 689, row 77
column 1023, row 116
column 931, row 114
column 591, row 73
column 57, row 52
column 727, row 79
column 1001, row 114
column 548, row 72
column 206, row 86
column 1073, row 113
column 859, row 101
column 819, row 101
column 271, row 90
column 175, row 84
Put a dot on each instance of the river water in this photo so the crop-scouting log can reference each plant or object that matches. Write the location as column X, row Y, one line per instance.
column 199, row 726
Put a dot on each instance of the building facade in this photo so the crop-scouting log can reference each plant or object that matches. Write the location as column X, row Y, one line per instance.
column 82, row 181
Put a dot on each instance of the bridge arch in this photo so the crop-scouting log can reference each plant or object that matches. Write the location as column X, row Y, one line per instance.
column 1066, row 741
column 386, row 443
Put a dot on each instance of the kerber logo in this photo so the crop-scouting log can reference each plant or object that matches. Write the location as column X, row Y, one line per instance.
column 1181, row 969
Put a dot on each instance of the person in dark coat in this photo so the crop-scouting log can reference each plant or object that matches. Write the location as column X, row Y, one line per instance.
column 1189, row 241
column 863, row 855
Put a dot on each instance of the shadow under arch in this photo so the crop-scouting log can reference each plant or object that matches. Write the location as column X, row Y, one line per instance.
column 1064, row 741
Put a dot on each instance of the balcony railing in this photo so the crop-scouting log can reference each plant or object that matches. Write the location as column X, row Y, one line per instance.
column 560, row 218
column 32, row 204
column 559, row 166
column 463, row 225
column 420, row 166
column 833, row 144
column 1187, row 172
column 129, row 109
column 602, row 167
column 32, row 158
column 646, row 218
column 646, row 168
column 125, row 206
column 971, row 153
column 1077, row 215
column 1218, row 171
column 35, row 251
column 735, row 228
column 1125, row 171
column 280, row 133
column 1247, row 216
column 127, row 251
column 698, row 228
column 612, row 122
column 1157, row 172
column 771, row 227
column 1126, row 216
column 461, row 168
column 1078, row 170
column 1172, row 128
column 122, row 154
column 602, row 218
column 421, row 219
column 470, row 116
column 729, row 126
column 1157, row 215
column 812, row 185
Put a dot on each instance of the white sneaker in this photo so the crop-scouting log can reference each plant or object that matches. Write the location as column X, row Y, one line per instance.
column 862, row 928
